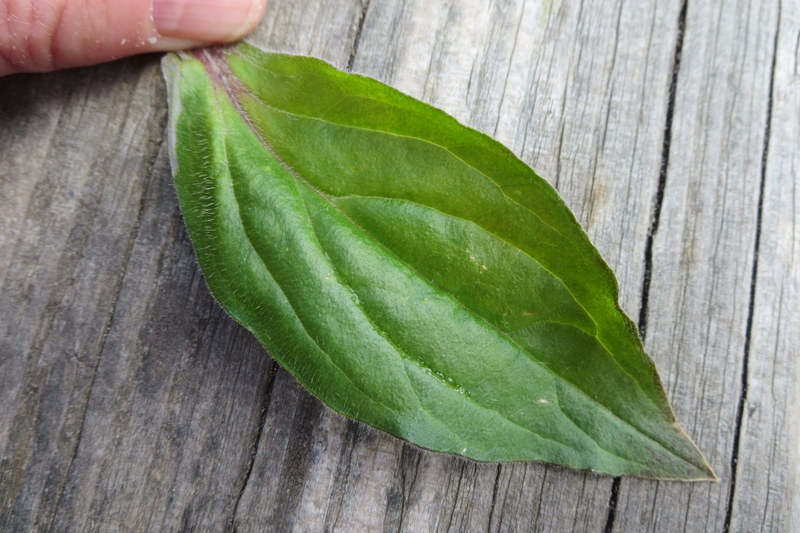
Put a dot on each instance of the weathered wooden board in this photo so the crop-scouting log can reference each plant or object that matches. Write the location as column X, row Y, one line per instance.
column 768, row 473
column 704, row 252
column 131, row 403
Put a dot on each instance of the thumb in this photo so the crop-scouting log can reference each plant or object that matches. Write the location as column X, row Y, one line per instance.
column 42, row 35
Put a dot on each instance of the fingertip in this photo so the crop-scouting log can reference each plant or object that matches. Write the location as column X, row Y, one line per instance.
column 42, row 36
column 206, row 20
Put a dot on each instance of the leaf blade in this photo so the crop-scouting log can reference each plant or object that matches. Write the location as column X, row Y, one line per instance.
column 430, row 269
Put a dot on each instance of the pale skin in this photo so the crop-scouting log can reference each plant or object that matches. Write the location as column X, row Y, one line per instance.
column 45, row 35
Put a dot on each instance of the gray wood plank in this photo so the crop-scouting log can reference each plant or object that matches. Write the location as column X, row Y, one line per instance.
column 703, row 251
column 767, row 468
column 73, row 227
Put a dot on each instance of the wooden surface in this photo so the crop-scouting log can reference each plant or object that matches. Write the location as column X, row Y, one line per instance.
column 130, row 402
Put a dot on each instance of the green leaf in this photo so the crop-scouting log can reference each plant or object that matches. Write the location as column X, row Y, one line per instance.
column 412, row 273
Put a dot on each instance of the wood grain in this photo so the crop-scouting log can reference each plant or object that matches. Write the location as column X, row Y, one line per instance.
column 768, row 472
column 130, row 402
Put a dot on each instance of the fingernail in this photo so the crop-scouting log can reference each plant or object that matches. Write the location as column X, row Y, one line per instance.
column 206, row 20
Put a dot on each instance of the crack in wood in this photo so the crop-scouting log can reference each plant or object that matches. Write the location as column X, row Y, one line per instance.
column 493, row 504
column 362, row 16
column 753, row 281
column 612, row 505
column 262, row 420
column 613, row 499
column 662, row 178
